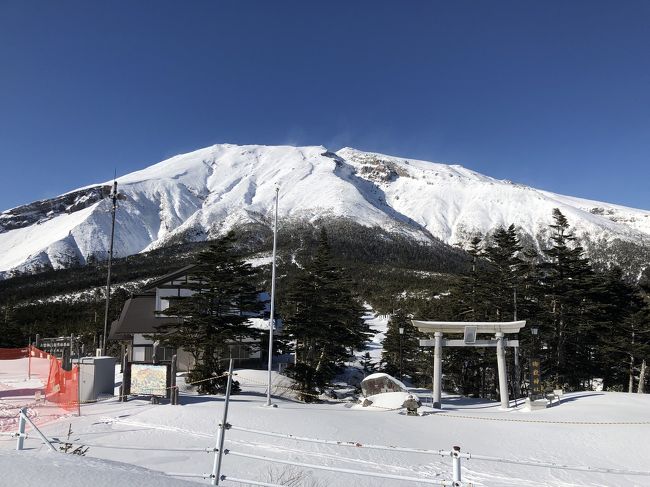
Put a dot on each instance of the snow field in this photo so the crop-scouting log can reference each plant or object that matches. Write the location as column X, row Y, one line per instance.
column 602, row 430
column 578, row 432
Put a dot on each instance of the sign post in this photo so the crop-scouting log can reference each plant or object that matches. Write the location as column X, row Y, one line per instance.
column 535, row 378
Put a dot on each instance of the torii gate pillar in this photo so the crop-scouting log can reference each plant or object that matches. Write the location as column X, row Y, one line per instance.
column 501, row 367
column 437, row 370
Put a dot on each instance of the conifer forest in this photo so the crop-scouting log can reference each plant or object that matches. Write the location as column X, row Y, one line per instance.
column 592, row 320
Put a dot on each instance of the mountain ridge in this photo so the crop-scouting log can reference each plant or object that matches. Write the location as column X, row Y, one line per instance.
column 201, row 194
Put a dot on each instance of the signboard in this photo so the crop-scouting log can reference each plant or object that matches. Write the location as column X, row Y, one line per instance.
column 470, row 334
column 535, row 377
column 149, row 380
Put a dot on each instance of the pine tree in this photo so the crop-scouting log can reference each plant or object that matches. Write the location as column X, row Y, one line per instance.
column 368, row 366
column 11, row 335
column 468, row 301
column 568, row 282
column 324, row 319
column 505, row 269
column 622, row 329
column 401, row 350
column 216, row 314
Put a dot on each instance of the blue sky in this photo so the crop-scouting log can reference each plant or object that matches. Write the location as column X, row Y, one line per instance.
column 552, row 94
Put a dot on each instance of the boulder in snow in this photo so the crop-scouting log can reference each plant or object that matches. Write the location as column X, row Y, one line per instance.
column 380, row 383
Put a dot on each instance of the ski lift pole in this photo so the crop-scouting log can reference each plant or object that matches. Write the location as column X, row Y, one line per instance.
column 223, row 426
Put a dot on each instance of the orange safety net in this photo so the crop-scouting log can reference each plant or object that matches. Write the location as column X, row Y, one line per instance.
column 62, row 385
column 27, row 374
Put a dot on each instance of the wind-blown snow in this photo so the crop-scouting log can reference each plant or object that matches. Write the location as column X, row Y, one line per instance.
column 206, row 192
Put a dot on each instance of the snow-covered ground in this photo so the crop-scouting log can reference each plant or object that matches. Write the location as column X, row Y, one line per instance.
column 587, row 429
column 601, row 430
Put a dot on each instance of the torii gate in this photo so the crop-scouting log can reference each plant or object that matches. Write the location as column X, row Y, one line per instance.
column 470, row 329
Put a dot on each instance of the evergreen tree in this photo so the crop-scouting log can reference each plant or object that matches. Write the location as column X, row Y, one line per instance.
column 325, row 321
column 622, row 329
column 216, row 314
column 568, row 282
column 505, row 269
column 401, row 350
column 11, row 335
column 468, row 301
column 368, row 366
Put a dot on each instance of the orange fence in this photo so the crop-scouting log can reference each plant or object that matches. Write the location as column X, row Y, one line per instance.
column 31, row 377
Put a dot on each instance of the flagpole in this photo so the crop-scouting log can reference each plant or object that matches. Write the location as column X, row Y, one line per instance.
column 272, row 316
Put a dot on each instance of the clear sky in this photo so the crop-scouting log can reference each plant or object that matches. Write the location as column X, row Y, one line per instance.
column 554, row 94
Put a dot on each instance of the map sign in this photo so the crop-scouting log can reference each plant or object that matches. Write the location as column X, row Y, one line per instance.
column 148, row 380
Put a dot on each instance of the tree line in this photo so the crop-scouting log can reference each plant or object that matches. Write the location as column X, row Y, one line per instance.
column 592, row 325
column 593, row 321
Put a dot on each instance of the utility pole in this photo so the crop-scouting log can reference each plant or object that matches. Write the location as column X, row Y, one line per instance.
column 272, row 316
column 516, row 386
column 401, row 333
column 113, row 197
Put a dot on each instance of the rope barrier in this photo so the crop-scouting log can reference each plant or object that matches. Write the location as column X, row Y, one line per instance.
column 249, row 482
column 128, row 447
column 341, row 470
column 534, row 463
column 189, row 475
column 354, row 444
column 544, row 421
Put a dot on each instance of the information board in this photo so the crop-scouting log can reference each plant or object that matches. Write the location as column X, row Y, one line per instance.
column 149, row 380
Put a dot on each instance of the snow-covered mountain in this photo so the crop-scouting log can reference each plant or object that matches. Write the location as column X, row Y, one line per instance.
column 204, row 193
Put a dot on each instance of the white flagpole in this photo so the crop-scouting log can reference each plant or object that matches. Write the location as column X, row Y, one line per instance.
column 272, row 317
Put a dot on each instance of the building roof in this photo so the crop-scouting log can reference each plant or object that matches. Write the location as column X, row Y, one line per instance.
column 169, row 277
column 138, row 316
